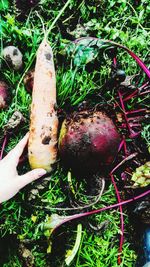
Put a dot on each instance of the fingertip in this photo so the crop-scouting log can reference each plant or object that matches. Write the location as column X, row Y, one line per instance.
column 31, row 176
column 39, row 172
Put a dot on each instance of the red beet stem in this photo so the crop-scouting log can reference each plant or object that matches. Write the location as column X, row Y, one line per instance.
column 124, row 145
column 131, row 95
column 136, row 118
column 142, row 86
column 136, row 111
column 121, row 145
column 115, row 61
column 124, row 111
column 134, row 135
column 135, row 94
column 139, row 61
column 88, row 213
column 144, row 93
column 135, row 124
column 123, row 161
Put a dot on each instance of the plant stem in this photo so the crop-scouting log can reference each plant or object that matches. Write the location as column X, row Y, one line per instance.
column 57, row 17
column 92, row 212
column 123, row 161
column 3, row 147
column 121, row 219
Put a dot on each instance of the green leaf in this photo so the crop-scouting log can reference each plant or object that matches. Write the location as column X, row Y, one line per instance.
column 4, row 5
column 84, row 55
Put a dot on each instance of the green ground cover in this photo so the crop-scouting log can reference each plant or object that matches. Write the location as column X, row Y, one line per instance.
column 125, row 22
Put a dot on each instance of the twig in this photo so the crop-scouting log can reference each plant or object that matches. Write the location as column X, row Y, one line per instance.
column 3, row 147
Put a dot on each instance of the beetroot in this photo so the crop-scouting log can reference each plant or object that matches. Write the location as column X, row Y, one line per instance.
column 3, row 95
column 28, row 81
column 88, row 142
column 13, row 57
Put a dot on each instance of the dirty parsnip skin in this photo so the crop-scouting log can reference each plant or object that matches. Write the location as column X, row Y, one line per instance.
column 42, row 147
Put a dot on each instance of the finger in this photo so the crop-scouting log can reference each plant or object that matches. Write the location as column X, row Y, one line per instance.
column 16, row 152
column 30, row 177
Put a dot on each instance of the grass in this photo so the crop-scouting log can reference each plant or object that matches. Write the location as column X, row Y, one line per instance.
column 122, row 21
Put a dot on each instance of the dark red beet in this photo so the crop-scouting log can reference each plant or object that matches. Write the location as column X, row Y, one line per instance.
column 3, row 95
column 88, row 142
column 28, row 81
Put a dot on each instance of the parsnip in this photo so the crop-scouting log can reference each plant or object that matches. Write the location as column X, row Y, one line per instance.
column 42, row 148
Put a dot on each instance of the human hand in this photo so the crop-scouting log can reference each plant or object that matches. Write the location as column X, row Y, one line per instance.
column 10, row 181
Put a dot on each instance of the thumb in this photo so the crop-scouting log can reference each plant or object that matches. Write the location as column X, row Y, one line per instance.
column 30, row 177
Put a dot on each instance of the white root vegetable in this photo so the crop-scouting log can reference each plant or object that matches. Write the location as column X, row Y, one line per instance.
column 42, row 148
